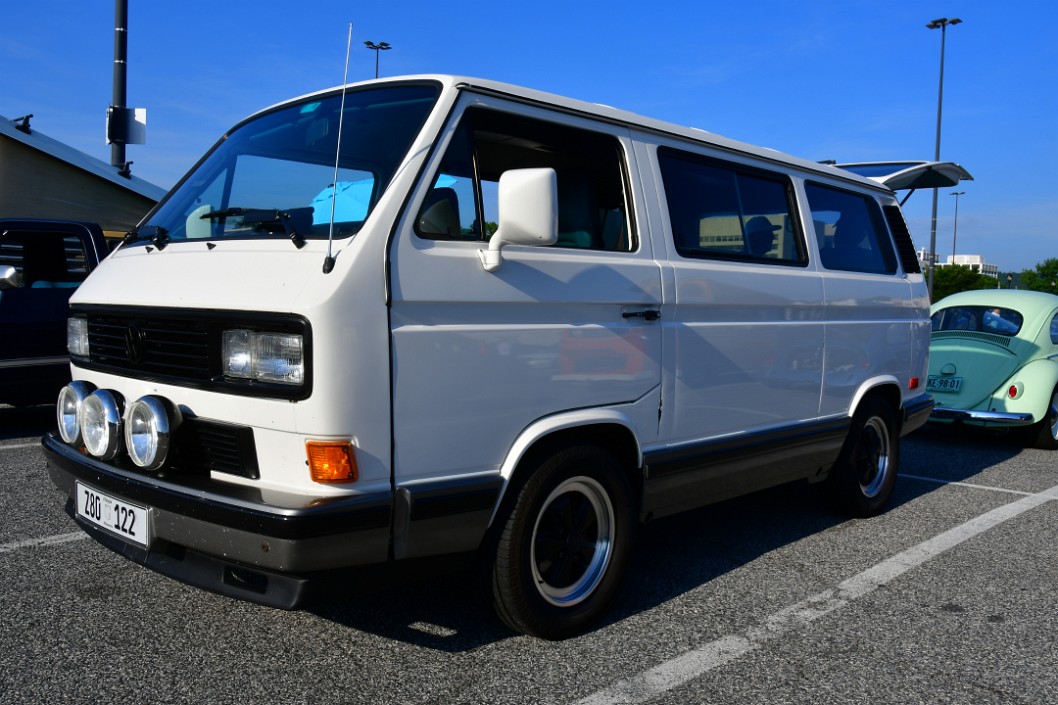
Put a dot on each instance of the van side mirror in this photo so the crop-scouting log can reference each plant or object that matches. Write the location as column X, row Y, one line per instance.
column 8, row 277
column 528, row 213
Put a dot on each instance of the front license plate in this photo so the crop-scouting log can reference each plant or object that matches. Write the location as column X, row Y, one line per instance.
column 943, row 384
column 129, row 521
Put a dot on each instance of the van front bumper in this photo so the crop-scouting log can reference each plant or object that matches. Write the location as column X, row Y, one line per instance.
column 235, row 540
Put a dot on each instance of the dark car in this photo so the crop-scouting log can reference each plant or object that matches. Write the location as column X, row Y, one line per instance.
column 42, row 262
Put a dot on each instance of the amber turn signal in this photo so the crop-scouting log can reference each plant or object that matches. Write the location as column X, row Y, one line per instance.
column 332, row 461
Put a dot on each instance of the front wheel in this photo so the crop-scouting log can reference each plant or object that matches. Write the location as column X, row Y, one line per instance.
column 564, row 545
column 862, row 480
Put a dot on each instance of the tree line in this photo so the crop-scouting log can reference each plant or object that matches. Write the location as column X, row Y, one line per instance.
column 955, row 278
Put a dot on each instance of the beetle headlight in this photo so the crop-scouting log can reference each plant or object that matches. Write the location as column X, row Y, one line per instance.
column 101, row 423
column 68, row 410
column 266, row 357
column 77, row 336
column 148, row 424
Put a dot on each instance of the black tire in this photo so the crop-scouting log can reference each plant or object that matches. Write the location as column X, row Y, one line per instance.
column 563, row 546
column 862, row 480
column 1044, row 433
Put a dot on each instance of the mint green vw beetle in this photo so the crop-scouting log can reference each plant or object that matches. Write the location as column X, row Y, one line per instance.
column 993, row 362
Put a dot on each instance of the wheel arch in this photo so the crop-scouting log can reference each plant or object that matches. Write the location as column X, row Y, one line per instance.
column 610, row 429
column 885, row 388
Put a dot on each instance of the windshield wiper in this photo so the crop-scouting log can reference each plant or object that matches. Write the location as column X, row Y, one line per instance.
column 160, row 237
column 268, row 220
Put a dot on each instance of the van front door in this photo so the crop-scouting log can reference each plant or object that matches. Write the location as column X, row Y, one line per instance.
column 569, row 329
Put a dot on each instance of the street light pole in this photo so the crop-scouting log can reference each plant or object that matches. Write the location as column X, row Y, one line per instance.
column 955, row 228
column 942, row 23
column 381, row 46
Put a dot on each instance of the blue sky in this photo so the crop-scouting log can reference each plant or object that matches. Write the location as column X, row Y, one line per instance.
column 828, row 79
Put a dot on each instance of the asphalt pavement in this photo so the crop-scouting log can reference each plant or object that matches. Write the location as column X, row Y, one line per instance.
column 947, row 597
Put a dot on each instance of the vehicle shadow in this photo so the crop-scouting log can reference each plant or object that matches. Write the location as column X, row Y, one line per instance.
column 26, row 422
column 673, row 556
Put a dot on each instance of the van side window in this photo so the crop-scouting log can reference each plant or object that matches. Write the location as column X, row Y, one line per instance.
column 721, row 210
column 850, row 231
column 592, row 203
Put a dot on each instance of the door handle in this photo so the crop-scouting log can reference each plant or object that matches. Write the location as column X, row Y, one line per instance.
column 650, row 314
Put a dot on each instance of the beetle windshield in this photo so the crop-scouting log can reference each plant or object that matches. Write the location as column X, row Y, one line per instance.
column 275, row 173
column 982, row 319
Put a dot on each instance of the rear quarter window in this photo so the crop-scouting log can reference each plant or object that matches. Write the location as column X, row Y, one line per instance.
column 850, row 231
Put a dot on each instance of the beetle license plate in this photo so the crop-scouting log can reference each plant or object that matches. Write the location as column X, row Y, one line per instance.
column 943, row 384
column 125, row 520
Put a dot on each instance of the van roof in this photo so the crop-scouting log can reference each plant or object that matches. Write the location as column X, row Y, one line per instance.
column 608, row 114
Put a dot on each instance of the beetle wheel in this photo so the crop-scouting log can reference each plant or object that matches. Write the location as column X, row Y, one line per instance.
column 1044, row 433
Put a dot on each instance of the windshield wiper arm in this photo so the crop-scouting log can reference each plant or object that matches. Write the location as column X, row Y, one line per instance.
column 266, row 219
column 159, row 239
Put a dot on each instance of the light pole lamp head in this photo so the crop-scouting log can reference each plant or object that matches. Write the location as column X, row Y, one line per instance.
column 943, row 22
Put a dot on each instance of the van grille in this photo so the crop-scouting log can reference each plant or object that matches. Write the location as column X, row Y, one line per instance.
column 164, row 347
column 183, row 346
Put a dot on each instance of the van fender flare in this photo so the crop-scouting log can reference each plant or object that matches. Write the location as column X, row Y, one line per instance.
column 870, row 385
column 548, row 426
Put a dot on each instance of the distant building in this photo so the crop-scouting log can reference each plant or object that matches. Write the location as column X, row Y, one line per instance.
column 43, row 178
column 976, row 263
column 924, row 259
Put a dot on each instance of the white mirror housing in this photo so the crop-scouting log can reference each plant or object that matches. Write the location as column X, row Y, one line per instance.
column 528, row 213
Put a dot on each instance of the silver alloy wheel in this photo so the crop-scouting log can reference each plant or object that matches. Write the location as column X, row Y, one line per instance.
column 1052, row 414
column 872, row 456
column 572, row 541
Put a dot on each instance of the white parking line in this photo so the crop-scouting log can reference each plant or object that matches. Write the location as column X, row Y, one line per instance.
column 46, row 541
column 684, row 668
column 964, row 484
column 16, row 446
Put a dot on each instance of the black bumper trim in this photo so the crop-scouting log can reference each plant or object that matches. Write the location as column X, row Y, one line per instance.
column 916, row 413
column 232, row 506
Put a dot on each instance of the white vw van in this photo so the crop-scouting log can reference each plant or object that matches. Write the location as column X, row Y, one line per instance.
column 435, row 315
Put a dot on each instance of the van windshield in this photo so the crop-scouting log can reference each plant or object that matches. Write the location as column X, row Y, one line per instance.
column 274, row 175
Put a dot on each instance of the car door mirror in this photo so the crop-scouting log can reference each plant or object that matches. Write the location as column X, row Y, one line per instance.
column 8, row 277
column 528, row 213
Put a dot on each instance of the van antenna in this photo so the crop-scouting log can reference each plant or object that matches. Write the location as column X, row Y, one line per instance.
column 328, row 261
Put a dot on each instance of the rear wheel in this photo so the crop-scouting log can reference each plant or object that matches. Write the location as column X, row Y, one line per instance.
column 564, row 545
column 1044, row 433
column 862, row 480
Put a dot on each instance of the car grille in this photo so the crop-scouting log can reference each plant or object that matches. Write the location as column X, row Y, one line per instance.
column 158, row 346
column 972, row 335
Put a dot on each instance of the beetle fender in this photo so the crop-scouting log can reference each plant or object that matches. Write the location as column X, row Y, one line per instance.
column 1037, row 380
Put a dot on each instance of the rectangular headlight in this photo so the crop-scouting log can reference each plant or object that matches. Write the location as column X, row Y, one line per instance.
column 278, row 358
column 266, row 357
column 77, row 336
